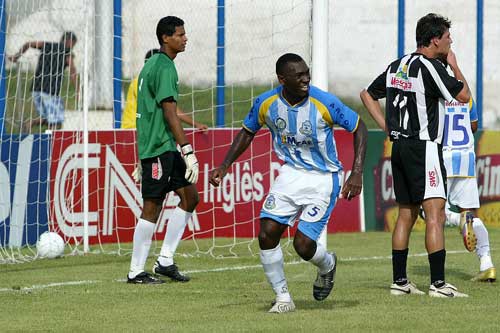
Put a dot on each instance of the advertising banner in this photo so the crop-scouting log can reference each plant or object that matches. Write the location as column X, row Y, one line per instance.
column 23, row 188
column 115, row 201
column 381, row 209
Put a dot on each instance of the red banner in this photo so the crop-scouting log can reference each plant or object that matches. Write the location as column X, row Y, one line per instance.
column 115, row 201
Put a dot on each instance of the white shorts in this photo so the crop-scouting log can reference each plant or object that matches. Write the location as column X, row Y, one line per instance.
column 308, row 195
column 462, row 192
column 49, row 107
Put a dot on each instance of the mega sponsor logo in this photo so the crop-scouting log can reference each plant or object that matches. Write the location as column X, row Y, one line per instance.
column 293, row 141
column 400, row 83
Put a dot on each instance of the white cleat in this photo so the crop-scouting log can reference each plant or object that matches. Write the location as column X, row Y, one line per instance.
column 407, row 289
column 282, row 307
column 446, row 291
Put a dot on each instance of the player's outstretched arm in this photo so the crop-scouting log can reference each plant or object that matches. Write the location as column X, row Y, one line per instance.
column 24, row 48
column 240, row 144
column 354, row 183
column 373, row 107
column 190, row 121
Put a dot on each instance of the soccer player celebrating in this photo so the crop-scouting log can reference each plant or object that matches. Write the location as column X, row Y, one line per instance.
column 300, row 118
column 416, row 87
column 164, row 169
column 460, row 161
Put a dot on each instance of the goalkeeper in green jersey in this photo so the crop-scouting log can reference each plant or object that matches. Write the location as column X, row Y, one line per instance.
column 164, row 169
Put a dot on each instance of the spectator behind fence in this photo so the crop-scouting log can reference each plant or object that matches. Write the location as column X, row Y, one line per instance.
column 129, row 115
column 49, row 74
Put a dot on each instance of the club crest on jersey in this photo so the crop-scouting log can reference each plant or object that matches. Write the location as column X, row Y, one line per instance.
column 280, row 123
column 156, row 170
column 402, row 72
column 306, row 128
column 270, row 202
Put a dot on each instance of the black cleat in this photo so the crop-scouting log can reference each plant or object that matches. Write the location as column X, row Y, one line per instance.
column 324, row 283
column 144, row 278
column 171, row 272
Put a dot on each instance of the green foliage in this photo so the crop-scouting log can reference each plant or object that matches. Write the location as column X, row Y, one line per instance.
column 21, row 116
column 232, row 294
column 238, row 102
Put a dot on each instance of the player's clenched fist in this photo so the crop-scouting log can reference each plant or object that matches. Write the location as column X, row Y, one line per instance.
column 192, row 167
column 217, row 174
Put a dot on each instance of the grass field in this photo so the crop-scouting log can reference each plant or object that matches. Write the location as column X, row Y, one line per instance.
column 88, row 293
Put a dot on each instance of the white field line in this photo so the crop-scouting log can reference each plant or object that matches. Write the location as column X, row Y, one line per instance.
column 48, row 285
column 212, row 270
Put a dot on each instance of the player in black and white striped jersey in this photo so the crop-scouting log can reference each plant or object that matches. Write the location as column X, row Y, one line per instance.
column 416, row 87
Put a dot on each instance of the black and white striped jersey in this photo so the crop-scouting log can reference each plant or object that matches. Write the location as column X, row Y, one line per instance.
column 415, row 88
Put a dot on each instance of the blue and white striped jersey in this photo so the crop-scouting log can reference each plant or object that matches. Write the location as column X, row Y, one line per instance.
column 303, row 133
column 458, row 139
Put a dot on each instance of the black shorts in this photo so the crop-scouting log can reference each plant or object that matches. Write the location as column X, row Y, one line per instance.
column 418, row 171
column 163, row 174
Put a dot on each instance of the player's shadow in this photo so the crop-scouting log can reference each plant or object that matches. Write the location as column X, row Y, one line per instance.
column 315, row 305
column 451, row 273
column 324, row 305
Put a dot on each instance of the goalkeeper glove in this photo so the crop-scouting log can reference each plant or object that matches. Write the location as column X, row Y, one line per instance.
column 192, row 168
column 137, row 174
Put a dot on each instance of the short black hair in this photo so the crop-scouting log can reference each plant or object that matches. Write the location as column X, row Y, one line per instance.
column 284, row 60
column 431, row 26
column 150, row 53
column 68, row 35
column 166, row 26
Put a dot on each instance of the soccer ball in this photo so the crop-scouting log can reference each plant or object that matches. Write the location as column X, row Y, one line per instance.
column 50, row 245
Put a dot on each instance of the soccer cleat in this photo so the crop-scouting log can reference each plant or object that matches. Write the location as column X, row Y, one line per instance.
column 144, row 278
column 445, row 291
column 324, row 282
column 406, row 289
column 467, row 231
column 171, row 272
column 282, row 307
column 488, row 275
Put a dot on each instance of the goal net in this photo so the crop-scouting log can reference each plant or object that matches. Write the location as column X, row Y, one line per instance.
column 44, row 170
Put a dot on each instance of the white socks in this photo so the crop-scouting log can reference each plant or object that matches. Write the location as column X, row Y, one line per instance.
column 322, row 259
column 452, row 218
column 142, row 242
column 483, row 244
column 272, row 262
column 175, row 228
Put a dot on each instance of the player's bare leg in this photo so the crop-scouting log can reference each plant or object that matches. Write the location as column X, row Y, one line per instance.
column 400, row 240
column 271, row 257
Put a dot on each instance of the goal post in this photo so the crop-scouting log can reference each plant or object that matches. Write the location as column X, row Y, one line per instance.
column 83, row 189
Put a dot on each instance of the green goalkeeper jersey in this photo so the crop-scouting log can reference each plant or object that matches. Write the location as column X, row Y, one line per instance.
column 158, row 81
